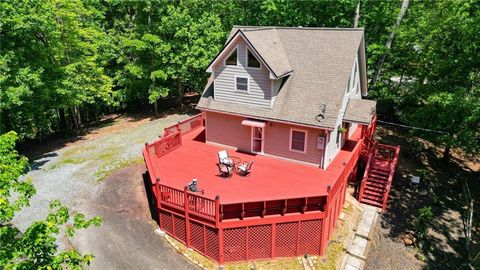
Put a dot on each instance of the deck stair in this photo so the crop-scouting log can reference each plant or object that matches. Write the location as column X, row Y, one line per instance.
column 378, row 176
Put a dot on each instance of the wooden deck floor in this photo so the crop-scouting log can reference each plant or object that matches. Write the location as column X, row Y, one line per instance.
column 270, row 179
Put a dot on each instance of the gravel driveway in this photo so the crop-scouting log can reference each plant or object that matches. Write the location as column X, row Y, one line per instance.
column 76, row 175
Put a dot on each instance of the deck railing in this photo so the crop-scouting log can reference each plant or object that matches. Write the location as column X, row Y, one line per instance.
column 185, row 126
column 196, row 220
column 164, row 145
column 393, row 164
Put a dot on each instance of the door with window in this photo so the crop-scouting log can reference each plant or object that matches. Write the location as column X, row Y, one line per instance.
column 258, row 137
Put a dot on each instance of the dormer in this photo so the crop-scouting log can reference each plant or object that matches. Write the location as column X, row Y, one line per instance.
column 249, row 69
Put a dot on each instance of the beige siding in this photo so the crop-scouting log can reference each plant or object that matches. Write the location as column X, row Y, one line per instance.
column 260, row 91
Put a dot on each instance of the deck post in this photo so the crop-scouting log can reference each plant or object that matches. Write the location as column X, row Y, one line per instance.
column 325, row 224
column 217, row 211
column 220, row 246
column 274, row 233
column 187, row 220
column 158, row 198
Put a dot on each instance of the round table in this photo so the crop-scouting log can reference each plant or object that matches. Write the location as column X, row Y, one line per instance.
column 235, row 161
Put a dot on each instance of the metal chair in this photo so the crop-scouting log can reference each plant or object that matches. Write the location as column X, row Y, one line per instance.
column 245, row 168
column 224, row 170
column 223, row 158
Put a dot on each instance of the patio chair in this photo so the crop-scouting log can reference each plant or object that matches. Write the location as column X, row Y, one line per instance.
column 245, row 168
column 224, row 159
column 224, row 170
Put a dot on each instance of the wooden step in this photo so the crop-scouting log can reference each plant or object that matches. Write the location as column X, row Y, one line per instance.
column 373, row 195
column 379, row 171
column 374, row 172
column 381, row 178
column 375, row 180
column 370, row 202
column 375, row 185
column 376, row 175
column 375, row 189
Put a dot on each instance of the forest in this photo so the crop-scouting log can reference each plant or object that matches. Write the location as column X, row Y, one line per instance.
column 64, row 64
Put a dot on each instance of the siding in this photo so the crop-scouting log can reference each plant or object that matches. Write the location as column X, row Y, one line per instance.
column 277, row 143
column 332, row 148
column 228, row 130
column 260, row 91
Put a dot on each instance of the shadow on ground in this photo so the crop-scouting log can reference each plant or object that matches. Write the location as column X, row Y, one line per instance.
column 443, row 182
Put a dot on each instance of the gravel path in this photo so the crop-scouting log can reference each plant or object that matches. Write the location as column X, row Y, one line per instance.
column 75, row 176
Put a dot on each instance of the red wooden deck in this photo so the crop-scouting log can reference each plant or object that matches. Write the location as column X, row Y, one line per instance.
column 271, row 178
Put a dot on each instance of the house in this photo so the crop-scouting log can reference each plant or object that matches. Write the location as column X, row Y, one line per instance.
column 292, row 101
column 291, row 93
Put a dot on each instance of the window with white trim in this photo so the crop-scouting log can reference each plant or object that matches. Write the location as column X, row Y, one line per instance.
column 252, row 60
column 241, row 84
column 298, row 140
column 232, row 59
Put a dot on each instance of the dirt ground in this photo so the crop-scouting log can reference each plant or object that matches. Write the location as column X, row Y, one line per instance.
column 445, row 244
column 87, row 176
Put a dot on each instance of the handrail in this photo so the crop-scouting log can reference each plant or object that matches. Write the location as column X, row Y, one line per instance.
column 365, row 174
column 390, row 177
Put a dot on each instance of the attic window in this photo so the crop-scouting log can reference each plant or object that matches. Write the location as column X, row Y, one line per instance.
column 232, row 59
column 252, row 61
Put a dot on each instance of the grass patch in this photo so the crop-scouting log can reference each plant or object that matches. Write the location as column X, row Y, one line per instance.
column 114, row 166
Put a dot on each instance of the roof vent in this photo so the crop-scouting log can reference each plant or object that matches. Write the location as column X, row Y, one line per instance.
column 321, row 116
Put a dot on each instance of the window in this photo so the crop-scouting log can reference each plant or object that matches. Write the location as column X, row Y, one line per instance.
column 298, row 140
column 232, row 59
column 241, row 84
column 251, row 60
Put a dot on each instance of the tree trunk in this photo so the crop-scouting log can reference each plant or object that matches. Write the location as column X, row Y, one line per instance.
column 180, row 91
column 155, row 106
column 63, row 120
column 388, row 44
column 357, row 15
column 73, row 116
column 446, row 153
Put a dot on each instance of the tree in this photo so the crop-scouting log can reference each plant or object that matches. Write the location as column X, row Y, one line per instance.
column 35, row 248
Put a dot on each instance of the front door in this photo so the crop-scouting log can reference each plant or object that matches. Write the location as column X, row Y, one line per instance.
column 257, row 139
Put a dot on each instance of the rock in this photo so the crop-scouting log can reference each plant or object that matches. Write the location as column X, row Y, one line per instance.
column 408, row 241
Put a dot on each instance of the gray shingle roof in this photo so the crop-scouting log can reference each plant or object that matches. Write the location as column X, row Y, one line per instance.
column 321, row 60
column 360, row 111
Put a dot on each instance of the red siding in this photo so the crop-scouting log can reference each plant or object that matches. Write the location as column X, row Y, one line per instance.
column 277, row 143
column 228, row 130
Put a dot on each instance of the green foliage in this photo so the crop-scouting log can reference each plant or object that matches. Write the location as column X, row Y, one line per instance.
column 64, row 63
column 12, row 166
column 424, row 219
column 35, row 248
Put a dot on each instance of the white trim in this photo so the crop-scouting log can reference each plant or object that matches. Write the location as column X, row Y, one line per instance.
column 221, row 55
column 235, row 83
column 246, row 58
column 263, row 140
column 272, row 100
column 305, row 143
column 238, row 60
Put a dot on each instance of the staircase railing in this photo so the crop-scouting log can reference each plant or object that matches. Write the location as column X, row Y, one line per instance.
column 393, row 164
column 371, row 154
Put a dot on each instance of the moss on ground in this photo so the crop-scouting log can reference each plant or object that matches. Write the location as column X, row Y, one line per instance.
column 111, row 167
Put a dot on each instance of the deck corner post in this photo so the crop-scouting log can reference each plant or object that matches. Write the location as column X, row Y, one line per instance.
column 221, row 258
column 158, row 196
column 217, row 211
column 274, row 236
column 186, row 205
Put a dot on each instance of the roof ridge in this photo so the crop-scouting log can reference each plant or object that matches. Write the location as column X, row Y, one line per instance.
column 252, row 27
